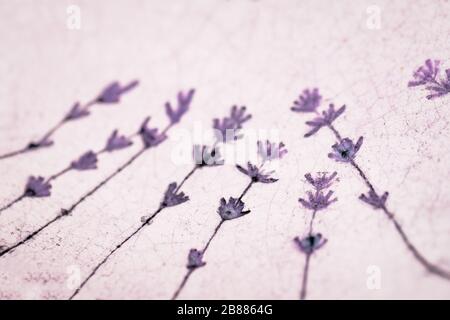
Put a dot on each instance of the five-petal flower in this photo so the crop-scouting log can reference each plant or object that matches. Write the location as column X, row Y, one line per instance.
column 232, row 209
column 308, row 101
column 172, row 197
column 37, row 187
column 345, row 150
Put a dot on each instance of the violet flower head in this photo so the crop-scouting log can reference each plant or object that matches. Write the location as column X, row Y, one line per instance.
column 113, row 92
column 374, row 199
column 184, row 100
column 326, row 119
column 232, row 209
column 227, row 128
column 345, row 151
column 323, row 180
column 270, row 151
column 317, row 200
column 150, row 136
column 117, row 142
column 37, row 187
column 441, row 88
column 310, row 243
column 257, row 174
column 88, row 161
column 195, row 259
column 205, row 156
column 308, row 101
column 425, row 74
column 76, row 112
column 172, row 197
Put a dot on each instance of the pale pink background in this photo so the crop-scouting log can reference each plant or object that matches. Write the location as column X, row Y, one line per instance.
column 255, row 53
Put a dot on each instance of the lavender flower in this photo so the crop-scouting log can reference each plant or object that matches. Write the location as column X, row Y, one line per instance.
column 150, row 136
column 232, row 209
column 425, row 74
column 76, row 112
column 87, row 161
column 172, row 197
column 310, row 243
column 37, row 187
column 326, row 119
column 195, row 259
column 317, row 200
column 206, row 156
column 269, row 151
column 112, row 93
column 374, row 200
column 117, row 142
column 321, row 181
column 184, row 100
column 308, row 101
column 227, row 128
column 256, row 174
column 345, row 151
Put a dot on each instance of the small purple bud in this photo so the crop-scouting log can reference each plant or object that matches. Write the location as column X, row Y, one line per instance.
column 374, row 200
column 184, row 100
column 195, row 259
column 117, row 142
column 310, row 243
column 172, row 198
column 308, row 101
column 256, row 174
column 226, row 129
column 76, row 112
column 232, row 209
column 88, row 161
column 113, row 92
column 37, row 187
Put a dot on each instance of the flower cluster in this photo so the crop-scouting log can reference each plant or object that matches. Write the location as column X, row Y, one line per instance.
column 226, row 129
column 37, row 187
column 309, row 101
column 184, row 100
column 150, row 136
column 317, row 199
column 373, row 199
column 310, row 243
column 427, row 75
column 267, row 151
column 231, row 209
column 172, row 197
column 345, row 150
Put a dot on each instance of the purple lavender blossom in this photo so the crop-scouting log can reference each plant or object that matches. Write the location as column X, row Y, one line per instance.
column 374, row 200
column 206, row 156
column 322, row 180
column 227, row 129
column 326, row 119
column 37, row 187
column 257, row 174
column 117, row 142
column 112, row 93
column 88, row 161
column 76, row 112
column 150, row 136
column 345, row 151
column 270, row 151
column 195, row 259
column 184, row 100
column 310, row 243
column 172, row 197
column 425, row 74
column 308, row 101
column 317, row 200
column 232, row 209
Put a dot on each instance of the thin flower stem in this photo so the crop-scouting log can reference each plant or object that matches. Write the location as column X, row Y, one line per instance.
column 9, row 205
column 305, row 277
column 59, row 174
column 117, row 247
column 246, row 189
column 205, row 248
column 135, row 232
column 66, row 212
column 186, row 178
column 45, row 137
column 312, row 222
column 432, row 268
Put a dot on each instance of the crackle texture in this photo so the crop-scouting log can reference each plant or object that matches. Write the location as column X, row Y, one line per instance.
column 261, row 54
